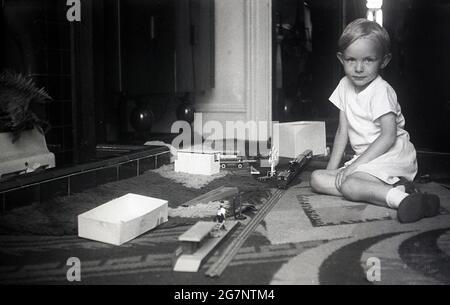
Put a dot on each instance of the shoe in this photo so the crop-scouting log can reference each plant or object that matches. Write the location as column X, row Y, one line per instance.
column 432, row 205
column 432, row 201
column 413, row 208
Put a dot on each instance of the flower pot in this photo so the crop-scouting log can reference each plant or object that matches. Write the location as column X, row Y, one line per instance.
column 27, row 154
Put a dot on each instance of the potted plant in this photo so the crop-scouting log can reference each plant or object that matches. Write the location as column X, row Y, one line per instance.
column 22, row 125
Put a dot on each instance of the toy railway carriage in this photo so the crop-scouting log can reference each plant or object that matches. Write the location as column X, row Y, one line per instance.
column 295, row 166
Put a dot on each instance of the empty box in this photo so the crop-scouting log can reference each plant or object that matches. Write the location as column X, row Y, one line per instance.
column 293, row 138
column 199, row 163
column 122, row 219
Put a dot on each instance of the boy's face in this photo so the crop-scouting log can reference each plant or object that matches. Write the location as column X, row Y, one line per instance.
column 362, row 62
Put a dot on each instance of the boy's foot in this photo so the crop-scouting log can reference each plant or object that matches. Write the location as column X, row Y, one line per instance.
column 412, row 208
column 431, row 201
column 432, row 205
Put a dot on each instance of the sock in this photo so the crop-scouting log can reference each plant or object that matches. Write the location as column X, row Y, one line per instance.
column 394, row 197
column 401, row 188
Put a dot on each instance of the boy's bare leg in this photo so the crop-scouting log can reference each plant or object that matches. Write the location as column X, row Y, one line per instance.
column 359, row 186
column 323, row 181
column 364, row 187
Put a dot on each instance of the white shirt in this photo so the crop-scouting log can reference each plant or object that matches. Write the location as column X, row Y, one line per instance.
column 362, row 111
column 221, row 211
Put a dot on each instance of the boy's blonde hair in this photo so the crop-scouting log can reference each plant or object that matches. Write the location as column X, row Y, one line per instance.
column 363, row 28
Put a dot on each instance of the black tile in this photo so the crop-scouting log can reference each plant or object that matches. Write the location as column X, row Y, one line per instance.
column 93, row 165
column 162, row 159
column 146, row 164
column 128, row 170
column 65, row 32
column 54, row 61
column 25, row 179
column 59, row 159
column 7, row 183
column 106, row 175
column 65, row 62
column 66, row 88
column 67, row 138
column 82, row 181
column 42, row 63
column 52, row 40
column 54, row 137
column 68, row 157
column 67, row 110
column 54, row 188
column 41, row 80
column 55, row 112
column 22, row 197
column 53, row 87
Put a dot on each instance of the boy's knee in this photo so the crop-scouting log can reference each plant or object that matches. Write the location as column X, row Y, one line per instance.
column 349, row 188
column 314, row 180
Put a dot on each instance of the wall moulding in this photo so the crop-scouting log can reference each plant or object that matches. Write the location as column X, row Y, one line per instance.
column 258, row 63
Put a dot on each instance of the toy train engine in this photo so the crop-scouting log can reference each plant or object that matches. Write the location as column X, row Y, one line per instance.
column 295, row 166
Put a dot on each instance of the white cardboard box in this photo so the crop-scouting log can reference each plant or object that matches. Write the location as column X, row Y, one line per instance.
column 293, row 138
column 198, row 163
column 122, row 219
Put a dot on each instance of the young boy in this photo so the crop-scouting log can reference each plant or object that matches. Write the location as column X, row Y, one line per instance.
column 370, row 117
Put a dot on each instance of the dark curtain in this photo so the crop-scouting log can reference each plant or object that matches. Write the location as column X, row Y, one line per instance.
column 354, row 9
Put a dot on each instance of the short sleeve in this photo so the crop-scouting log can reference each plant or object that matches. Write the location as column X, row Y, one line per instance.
column 337, row 97
column 384, row 101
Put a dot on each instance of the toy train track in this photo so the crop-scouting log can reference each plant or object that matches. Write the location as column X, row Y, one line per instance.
column 219, row 266
column 295, row 166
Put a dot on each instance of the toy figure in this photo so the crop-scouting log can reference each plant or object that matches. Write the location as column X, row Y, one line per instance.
column 220, row 217
column 273, row 160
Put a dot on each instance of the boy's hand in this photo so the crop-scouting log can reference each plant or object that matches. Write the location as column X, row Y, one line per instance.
column 342, row 175
column 338, row 180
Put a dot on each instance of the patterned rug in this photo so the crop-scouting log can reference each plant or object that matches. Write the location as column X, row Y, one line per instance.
column 325, row 210
column 37, row 241
column 365, row 244
column 58, row 216
column 306, row 239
